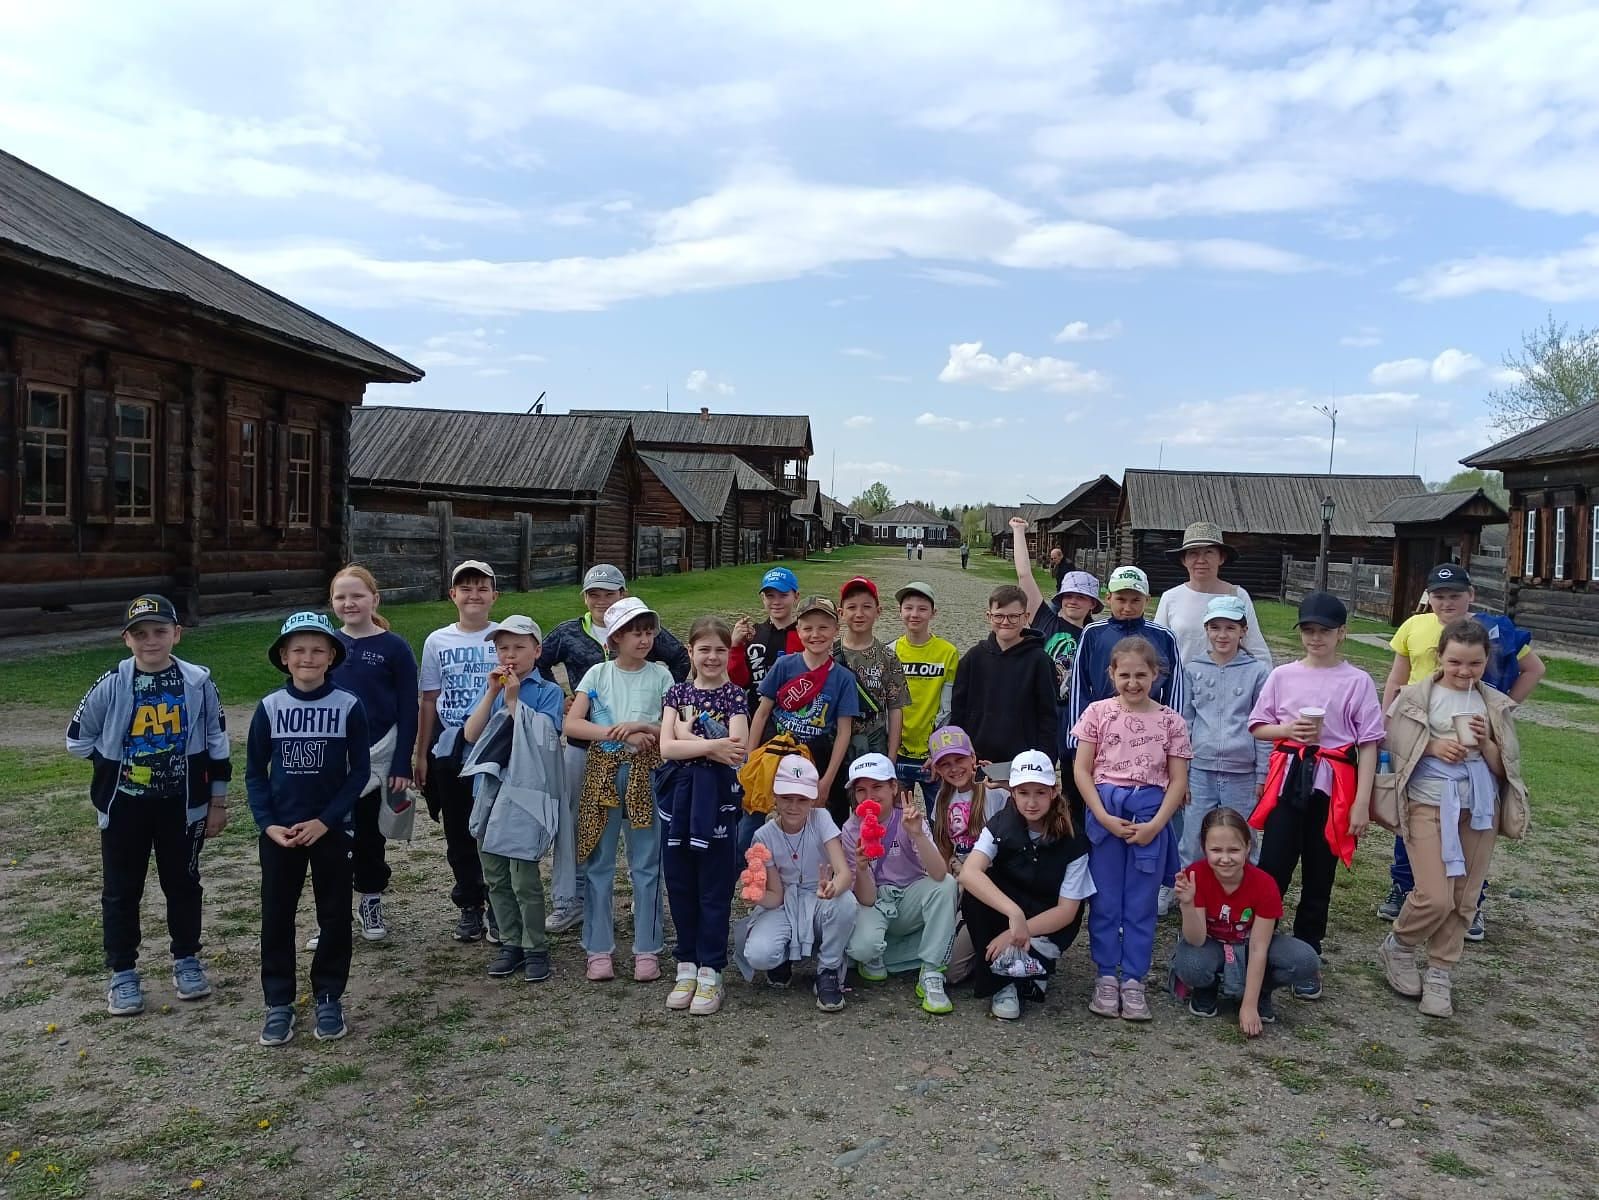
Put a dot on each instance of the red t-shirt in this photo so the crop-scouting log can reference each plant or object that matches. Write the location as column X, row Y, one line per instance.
column 1229, row 915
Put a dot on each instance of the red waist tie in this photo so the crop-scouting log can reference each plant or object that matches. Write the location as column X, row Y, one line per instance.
column 1293, row 767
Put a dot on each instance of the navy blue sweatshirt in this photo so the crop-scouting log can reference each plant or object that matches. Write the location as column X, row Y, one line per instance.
column 381, row 671
column 1091, row 667
column 307, row 757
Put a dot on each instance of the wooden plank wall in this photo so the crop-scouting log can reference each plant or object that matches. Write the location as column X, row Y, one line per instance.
column 411, row 553
column 1368, row 588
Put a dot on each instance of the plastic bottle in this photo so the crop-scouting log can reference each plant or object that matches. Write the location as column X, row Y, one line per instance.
column 1385, row 765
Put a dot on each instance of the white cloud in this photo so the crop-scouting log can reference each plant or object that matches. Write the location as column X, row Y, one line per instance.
column 477, row 348
column 859, row 421
column 1082, row 331
column 1401, row 370
column 1506, row 376
column 969, row 364
column 1265, row 188
column 1453, row 365
column 859, row 352
column 1450, row 366
column 929, row 420
column 701, row 381
column 1367, row 335
column 955, row 278
column 873, row 468
column 1563, row 277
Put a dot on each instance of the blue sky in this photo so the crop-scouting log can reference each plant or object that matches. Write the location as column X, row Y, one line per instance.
column 991, row 250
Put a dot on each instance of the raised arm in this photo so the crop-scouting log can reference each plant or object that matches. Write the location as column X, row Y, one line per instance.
column 1024, row 567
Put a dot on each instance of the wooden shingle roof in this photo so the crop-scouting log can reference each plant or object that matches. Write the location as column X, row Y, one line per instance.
column 907, row 514
column 767, row 431
column 808, row 505
column 52, row 227
column 996, row 518
column 698, row 500
column 738, row 472
column 540, row 454
column 1575, row 435
column 1437, row 506
column 1287, row 505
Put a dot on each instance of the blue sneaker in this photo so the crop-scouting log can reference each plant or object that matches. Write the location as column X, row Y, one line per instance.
column 125, row 996
column 279, row 1026
column 330, row 1026
column 188, row 976
column 1308, row 989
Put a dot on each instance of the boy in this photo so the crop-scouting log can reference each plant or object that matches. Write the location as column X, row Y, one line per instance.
column 456, row 662
column 1324, row 716
column 154, row 729
column 515, row 889
column 1514, row 668
column 907, row 898
column 929, row 665
column 882, row 681
column 307, row 763
column 1221, row 687
column 811, row 698
column 1005, row 686
column 759, row 646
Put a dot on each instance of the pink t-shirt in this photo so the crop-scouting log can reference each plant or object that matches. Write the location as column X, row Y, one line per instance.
column 1354, row 714
column 1131, row 748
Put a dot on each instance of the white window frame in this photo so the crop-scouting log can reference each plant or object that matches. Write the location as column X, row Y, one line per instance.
column 1560, row 544
column 133, row 460
column 1529, row 546
column 1593, row 542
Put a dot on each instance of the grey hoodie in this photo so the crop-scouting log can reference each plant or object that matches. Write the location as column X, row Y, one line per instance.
column 1216, row 704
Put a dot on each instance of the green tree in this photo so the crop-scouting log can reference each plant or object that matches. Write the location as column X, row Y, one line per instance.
column 873, row 500
column 973, row 525
column 1559, row 372
column 1491, row 482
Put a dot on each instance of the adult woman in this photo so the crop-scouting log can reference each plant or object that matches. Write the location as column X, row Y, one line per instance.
column 1204, row 554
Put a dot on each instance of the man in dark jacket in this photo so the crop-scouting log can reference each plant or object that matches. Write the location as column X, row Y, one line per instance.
column 1005, row 686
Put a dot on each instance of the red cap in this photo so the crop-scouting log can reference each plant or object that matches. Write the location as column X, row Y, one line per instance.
column 859, row 584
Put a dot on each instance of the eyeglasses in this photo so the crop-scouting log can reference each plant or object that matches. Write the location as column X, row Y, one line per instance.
column 1007, row 618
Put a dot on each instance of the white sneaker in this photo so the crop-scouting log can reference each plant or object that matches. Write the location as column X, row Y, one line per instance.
column 1006, row 1004
column 707, row 993
column 563, row 919
column 682, row 994
column 1164, row 902
column 370, row 912
column 930, row 991
column 315, row 940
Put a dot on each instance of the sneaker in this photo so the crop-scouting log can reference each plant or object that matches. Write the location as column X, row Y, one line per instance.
column 470, row 927
column 563, row 919
column 1266, row 1010
column 507, row 962
column 873, row 971
column 829, row 989
column 682, row 993
column 330, row 1026
column 1399, row 966
column 1135, row 1002
column 491, row 931
column 930, row 991
column 1308, row 989
column 125, row 996
column 707, row 993
column 1477, row 930
column 781, row 975
column 1388, row 910
column 646, row 968
column 1107, row 998
column 1163, row 902
column 188, row 976
column 279, row 1026
column 1436, row 988
column 600, row 968
column 1202, row 1002
column 371, row 913
column 1006, row 1004
column 536, row 966
column 315, row 940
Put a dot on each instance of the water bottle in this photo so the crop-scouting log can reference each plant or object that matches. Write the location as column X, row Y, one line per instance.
column 1385, row 765
column 600, row 715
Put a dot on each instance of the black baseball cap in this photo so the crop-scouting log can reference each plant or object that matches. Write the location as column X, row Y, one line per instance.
column 149, row 607
column 1324, row 609
column 1448, row 577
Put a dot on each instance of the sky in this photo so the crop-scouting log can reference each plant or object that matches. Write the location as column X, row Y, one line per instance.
column 991, row 250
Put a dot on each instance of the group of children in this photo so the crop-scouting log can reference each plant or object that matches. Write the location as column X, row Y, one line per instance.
column 899, row 808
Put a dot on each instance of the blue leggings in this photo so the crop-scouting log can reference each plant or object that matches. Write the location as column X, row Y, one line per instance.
column 1121, row 916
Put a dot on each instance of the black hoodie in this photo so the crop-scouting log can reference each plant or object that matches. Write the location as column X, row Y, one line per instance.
column 1005, row 700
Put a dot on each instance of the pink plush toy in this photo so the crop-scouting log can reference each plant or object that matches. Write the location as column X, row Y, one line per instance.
column 752, row 879
column 872, row 830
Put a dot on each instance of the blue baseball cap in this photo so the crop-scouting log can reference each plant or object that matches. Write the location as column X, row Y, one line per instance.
column 780, row 579
column 305, row 622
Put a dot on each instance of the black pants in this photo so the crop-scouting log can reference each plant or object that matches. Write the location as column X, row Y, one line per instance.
column 1297, row 837
column 282, row 880
column 454, row 797
column 370, row 866
column 138, row 825
column 1075, row 804
column 699, row 887
column 983, row 925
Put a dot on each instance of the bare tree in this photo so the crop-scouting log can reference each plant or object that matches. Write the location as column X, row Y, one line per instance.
column 1559, row 372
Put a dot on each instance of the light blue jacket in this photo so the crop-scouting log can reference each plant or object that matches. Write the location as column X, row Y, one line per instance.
column 1216, row 704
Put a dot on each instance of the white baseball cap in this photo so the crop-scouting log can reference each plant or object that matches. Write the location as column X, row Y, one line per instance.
column 796, row 776
column 1127, row 579
column 871, row 766
column 1032, row 766
column 517, row 623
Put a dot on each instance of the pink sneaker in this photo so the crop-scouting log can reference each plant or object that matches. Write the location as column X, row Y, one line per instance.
column 600, row 968
column 646, row 968
column 1107, row 1001
column 1135, row 1003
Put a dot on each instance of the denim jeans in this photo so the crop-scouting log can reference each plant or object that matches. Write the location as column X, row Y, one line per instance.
column 644, row 868
column 1209, row 790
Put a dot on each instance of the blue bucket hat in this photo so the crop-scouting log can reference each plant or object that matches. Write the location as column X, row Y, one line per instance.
column 305, row 622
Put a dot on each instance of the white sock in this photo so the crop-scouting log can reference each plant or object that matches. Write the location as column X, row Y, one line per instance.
column 709, row 975
column 686, row 971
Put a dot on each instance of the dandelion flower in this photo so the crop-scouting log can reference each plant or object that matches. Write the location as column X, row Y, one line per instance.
column 51, row 1169
column 263, row 1123
column 13, row 1158
column 51, row 1027
column 196, row 1185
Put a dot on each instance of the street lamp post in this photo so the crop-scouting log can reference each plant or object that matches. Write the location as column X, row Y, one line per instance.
column 1330, row 411
column 1328, row 509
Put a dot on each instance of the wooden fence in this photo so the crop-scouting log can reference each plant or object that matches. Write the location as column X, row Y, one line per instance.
column 412, row 554
column 658, row 550
column 1368, row 588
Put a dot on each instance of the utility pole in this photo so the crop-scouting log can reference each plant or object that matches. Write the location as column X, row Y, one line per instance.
column 1330, row 411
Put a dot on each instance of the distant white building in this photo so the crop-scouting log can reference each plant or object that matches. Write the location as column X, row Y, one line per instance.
column 908, row 523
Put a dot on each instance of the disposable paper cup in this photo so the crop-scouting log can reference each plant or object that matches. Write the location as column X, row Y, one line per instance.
column 1463, row 729
column 1317, row 715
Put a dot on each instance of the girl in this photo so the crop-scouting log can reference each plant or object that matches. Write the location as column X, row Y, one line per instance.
column 1457, row 773
column 379, row 668
column 966, row 799
column 704, row 734
column 617, row 709
column 1230, row 942
column 809, row 906
column 1132, row 768
column 1025, row 880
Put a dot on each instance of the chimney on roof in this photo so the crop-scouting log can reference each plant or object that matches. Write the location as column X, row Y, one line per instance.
column 705, row 413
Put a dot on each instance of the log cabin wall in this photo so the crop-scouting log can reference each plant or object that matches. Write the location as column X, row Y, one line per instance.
column 1258, row 569
column 1554, row 589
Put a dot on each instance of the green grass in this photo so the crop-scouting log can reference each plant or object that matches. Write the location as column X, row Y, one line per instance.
column 1568, row 670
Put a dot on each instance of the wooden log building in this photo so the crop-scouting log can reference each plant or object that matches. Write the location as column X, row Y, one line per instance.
column 1552, row 474
column 1433, row 528
column 1263, row 517
column 1085, row 519
column 165, row 424
column 908, row 523
column 739, row 494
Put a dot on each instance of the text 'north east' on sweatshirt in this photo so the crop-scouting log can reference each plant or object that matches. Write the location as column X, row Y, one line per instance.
column 307, row 757
column 1005, row 700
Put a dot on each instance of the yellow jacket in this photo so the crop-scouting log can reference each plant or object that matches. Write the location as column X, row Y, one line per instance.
column 756, row 775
